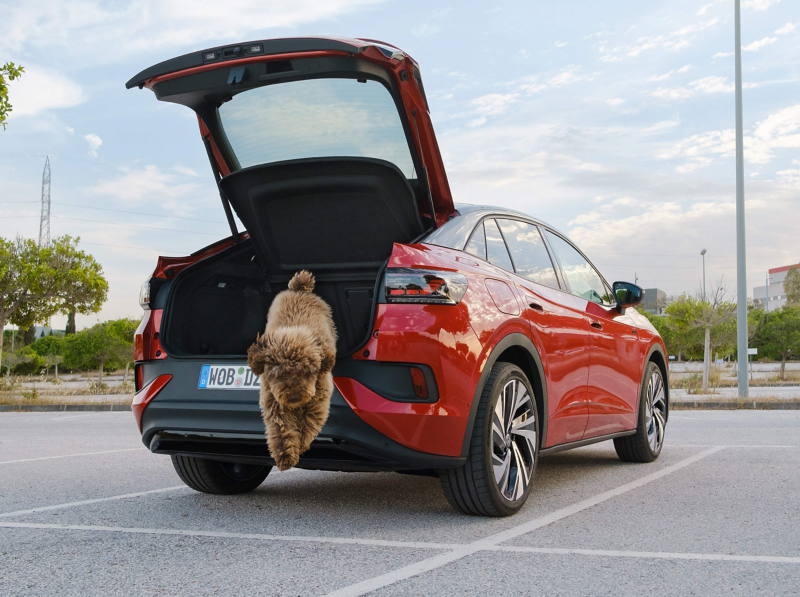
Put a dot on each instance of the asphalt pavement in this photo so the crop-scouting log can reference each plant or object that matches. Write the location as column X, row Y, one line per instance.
column 85, row 509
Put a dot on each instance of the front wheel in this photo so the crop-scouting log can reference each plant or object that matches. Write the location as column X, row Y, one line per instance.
column 645, row 445
column 220, row 478
column 497, row 476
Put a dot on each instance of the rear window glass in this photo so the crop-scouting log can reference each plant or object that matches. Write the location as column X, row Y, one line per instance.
column 316, row 118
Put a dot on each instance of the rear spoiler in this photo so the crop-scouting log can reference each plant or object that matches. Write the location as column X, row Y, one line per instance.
column 250, row 49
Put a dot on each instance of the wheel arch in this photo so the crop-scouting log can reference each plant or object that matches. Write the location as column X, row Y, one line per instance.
column 519, row 350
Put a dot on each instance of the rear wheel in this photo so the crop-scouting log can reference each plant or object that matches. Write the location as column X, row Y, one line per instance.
column 645, row 445
column 497, row 477
column 221, row 478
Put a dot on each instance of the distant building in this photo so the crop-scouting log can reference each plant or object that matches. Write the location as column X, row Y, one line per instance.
column 775, row 292
column 655, row 301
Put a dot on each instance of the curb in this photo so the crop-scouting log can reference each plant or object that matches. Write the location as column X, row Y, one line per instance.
column 34, row 408
column 734, row 405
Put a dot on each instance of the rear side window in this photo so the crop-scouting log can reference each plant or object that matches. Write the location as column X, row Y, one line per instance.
column 582, row 278
column 477, row 244
column 531, row 259
column 313, row 119
column 496, row 251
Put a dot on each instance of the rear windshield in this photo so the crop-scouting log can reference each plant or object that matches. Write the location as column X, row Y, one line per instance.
column 316, row 118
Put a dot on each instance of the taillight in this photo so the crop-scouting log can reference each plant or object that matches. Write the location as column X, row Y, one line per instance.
column 424, row 286
column 144, row 296
column 149, row 291
column 138, row 377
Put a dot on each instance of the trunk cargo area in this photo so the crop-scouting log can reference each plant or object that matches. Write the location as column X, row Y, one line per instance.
column 337, row 217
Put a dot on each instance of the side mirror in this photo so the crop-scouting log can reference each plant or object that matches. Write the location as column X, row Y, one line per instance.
column 627, row 294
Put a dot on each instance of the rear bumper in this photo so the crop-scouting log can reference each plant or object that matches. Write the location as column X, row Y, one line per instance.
column 227, row 425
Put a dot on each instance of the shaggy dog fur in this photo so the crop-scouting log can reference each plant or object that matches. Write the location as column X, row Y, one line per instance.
column 294, row 358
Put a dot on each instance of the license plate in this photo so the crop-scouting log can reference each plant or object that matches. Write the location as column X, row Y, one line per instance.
column 227, row 377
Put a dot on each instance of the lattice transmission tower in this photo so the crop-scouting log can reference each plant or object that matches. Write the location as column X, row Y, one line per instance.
column 44, row 222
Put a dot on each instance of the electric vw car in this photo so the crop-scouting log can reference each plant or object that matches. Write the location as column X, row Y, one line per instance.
column 472, row 340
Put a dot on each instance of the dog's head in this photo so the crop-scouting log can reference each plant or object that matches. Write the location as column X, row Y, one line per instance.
column 289, row 361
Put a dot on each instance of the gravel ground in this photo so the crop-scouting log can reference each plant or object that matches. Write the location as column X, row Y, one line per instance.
column 717, row 514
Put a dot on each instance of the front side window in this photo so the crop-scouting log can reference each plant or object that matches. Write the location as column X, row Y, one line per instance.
column 531, row 259
column 496, row 251
column 582, row 278
column 316, row 118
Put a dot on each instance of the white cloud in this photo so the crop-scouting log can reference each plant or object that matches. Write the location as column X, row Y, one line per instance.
column 662, row 126
column 494, row 103
column 139, row 185
column 425, row 30
column 757, row 45
column 40, row 89
column 704, row 85
column 786, row 29
column 759, row 4
column 94, row 143
column 677, row 40
column 560, row 44
column 722, row 55
column 99, row 31
column 615, row 101
column 665, row 76
column 537, row 83
column 704, row 9
column 684, row 69
column 780, row 130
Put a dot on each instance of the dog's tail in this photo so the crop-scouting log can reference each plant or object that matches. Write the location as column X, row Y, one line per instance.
column 303, row 280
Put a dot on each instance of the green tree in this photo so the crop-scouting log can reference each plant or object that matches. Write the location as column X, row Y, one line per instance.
column 716, row 317
column 102, row 346
column 29, row 337
column 8, row 72
column 38, row 282
column 791, row 284
column 70, row 329
column 778, row 334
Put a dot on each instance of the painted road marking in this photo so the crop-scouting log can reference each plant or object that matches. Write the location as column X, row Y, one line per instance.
column 87, row 502
column 406, row 572
column 409, row 544
column 71, row 455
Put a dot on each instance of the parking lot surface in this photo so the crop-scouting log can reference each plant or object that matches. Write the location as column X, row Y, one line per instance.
column 85, row 509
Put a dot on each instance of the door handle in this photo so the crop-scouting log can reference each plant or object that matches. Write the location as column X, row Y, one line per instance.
column 597, row 325
column 536, row 306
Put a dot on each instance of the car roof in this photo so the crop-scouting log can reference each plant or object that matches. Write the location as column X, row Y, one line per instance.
column 455, row 233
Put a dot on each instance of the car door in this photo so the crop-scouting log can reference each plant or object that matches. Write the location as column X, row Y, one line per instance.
column 557, row 325
column 615, row 355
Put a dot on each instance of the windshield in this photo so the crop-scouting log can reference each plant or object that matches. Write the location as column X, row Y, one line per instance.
column 316, row 118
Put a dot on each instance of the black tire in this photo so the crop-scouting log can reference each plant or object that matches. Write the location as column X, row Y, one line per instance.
column 473, row 488
column 220, row 478
column 641, row 447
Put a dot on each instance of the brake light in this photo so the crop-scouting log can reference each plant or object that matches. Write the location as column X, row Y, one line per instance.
column 423, row 286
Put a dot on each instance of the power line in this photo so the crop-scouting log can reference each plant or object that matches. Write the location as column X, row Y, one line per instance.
column 122, row 211
column 124, row 225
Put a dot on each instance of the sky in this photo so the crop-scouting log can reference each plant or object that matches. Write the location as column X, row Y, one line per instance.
column 612, row 121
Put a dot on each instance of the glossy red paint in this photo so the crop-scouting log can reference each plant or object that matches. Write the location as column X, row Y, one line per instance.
column 146, row 344
column 560, row 332
column 143, row 397
column 615, row 369
column 429, row 428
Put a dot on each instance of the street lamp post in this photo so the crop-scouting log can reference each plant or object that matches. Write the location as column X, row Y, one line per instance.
column 703, row 254
column 741, row 249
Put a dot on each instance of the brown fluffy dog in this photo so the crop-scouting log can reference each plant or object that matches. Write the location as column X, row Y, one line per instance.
column 294, row 358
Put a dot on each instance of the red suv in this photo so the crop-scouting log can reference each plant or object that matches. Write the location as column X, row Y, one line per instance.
column 472, row 339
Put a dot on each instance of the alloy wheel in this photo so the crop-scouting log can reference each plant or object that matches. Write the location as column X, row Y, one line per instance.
column 655, row 416
column 514, row 440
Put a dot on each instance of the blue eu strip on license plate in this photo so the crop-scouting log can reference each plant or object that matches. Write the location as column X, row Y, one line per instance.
column 227, row 377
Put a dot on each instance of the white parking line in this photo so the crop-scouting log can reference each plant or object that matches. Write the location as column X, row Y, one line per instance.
column 225, row 535
column 649, row 554
column 93, row 501
column 724, row 446
column 71, row 455
column 390, row 578
column 407, row 544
